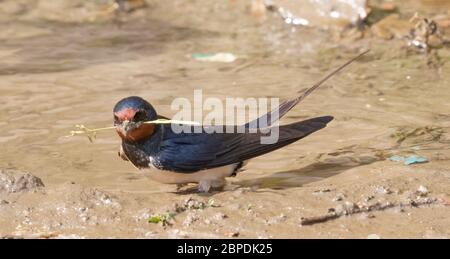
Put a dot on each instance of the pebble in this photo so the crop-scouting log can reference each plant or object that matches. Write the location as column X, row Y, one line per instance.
column 275, row 220
column 382, row 190
column 176, row 233
column 339, row 197
column 192, row 203
column 190, row 218
column 369, row 198
column 345, row 208
column 12, row 181
column 219, row 216
column 143, row 214
column 422, row 190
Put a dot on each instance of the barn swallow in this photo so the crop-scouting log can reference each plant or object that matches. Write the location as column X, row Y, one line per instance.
column 203, row 158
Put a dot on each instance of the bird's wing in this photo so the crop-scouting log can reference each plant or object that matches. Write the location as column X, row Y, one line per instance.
column 190, row 152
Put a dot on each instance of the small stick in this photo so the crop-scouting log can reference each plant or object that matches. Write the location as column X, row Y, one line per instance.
column 375, row 207
column 318, row 219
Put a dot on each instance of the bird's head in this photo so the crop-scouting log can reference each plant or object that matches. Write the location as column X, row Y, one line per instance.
column 129, row 116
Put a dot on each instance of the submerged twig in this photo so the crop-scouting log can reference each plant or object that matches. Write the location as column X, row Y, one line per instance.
column 334, row 214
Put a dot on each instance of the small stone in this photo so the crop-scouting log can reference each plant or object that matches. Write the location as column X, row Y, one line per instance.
column 346, row 208
column 232, row 234
column 278, row 219
column 422, row 190
column 219, row 216
column 350, row 206
column 369, row 198
column 339, row 209
column 339, row 197
column 176, row 233
column 12, row 181
column 190, row 218
column 382, row 190
column 192, row 203
column 212, row 203
column 143, row 214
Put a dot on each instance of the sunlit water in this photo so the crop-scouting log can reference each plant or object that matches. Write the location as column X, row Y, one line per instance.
column 56, row 73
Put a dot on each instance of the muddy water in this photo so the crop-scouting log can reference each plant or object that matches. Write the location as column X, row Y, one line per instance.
column 68, row 63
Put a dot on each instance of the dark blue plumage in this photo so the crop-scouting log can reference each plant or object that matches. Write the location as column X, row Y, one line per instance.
column 191, row 152
column 198, row 151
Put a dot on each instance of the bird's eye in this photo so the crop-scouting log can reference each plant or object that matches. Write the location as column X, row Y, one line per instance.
column 116, row 119
column 139, row 116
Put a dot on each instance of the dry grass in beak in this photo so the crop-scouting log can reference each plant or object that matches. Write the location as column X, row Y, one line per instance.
column 92, row 133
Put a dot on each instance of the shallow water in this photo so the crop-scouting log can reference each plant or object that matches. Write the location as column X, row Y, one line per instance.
column 58, row 70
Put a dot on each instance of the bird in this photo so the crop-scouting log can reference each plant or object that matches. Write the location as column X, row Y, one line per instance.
column 199, row 156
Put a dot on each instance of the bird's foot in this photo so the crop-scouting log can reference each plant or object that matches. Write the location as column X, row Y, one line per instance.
column 206, row 185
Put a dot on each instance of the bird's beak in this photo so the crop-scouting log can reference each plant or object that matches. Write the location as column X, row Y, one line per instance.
column 126, row 126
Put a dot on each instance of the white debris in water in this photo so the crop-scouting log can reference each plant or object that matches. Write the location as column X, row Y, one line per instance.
column 216, row 57
column 317, row 12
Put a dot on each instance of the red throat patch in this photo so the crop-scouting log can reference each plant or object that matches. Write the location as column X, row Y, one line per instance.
column 144, row 131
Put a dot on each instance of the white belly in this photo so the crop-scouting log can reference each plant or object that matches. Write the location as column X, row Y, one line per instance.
column 210, row 175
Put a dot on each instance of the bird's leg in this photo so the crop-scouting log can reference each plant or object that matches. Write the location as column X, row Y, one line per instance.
column 206, row 185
